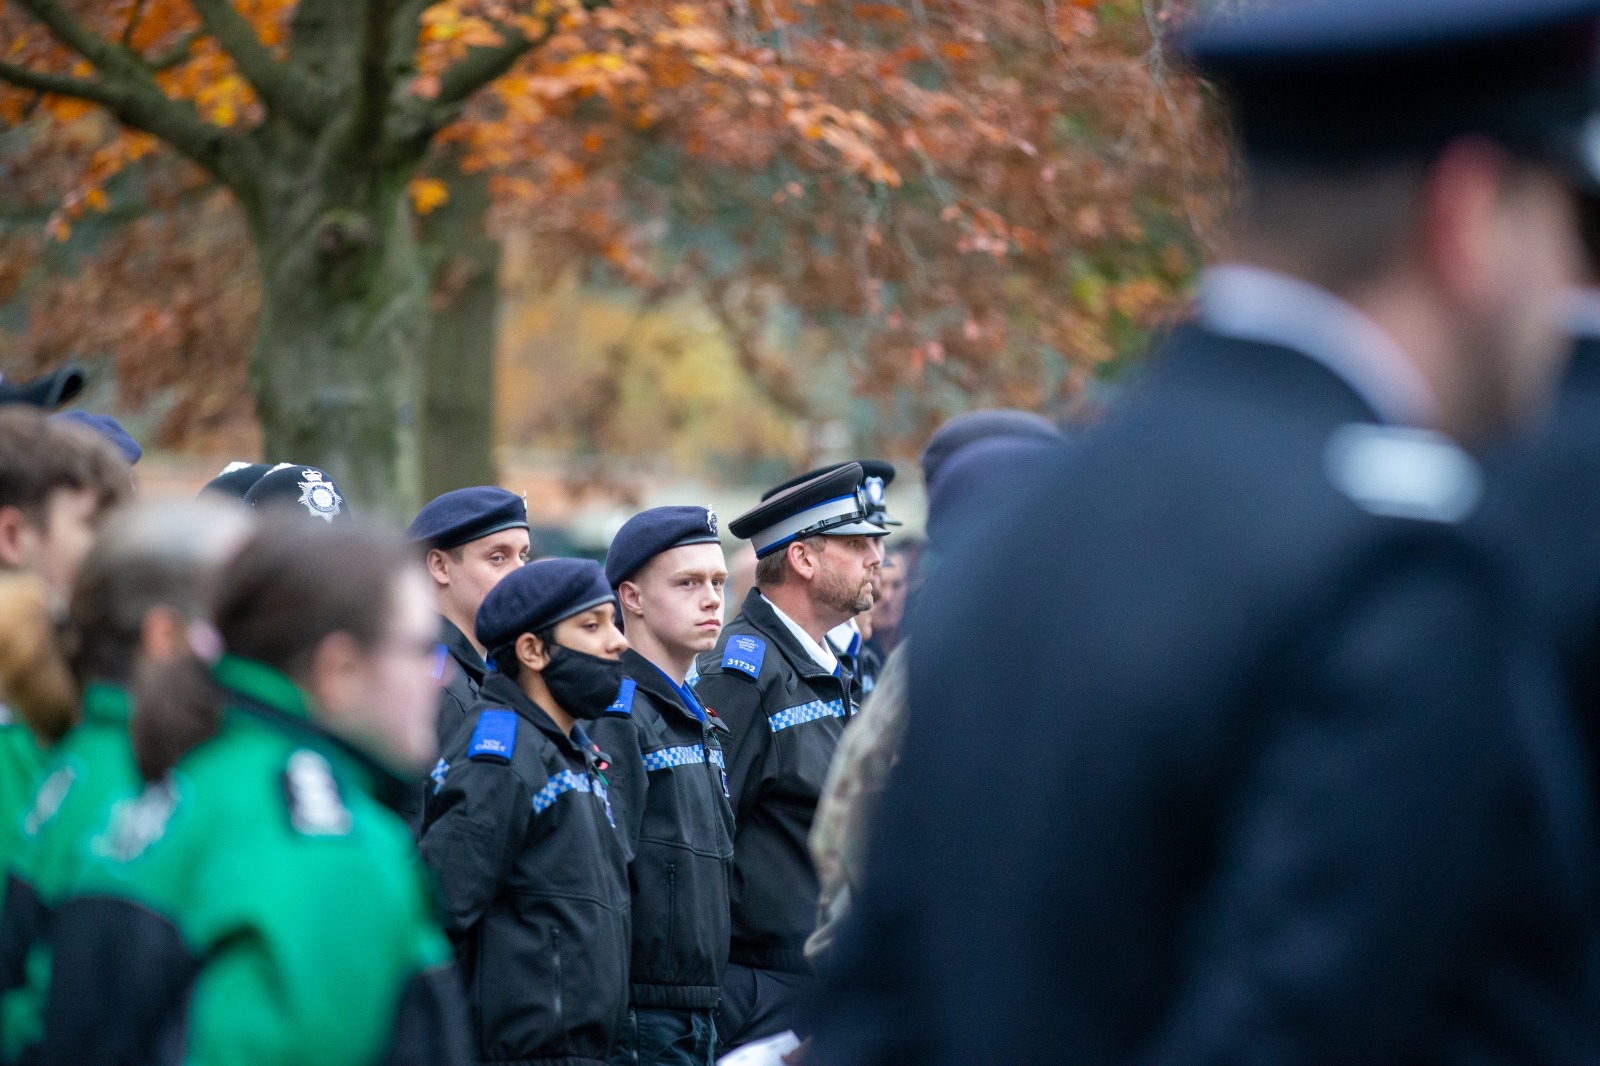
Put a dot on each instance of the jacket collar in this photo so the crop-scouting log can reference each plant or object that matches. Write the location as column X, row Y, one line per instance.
column 106, row 704
column 650, row 677
column 759, row 614
column 266, row 695
column 499, row 689
column 462, row 651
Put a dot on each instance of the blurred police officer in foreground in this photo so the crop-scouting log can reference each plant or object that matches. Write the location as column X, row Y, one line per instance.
column 472, row 538
column 519, row 830
column 1243, row 770
column 785, row 699
column 669, row 784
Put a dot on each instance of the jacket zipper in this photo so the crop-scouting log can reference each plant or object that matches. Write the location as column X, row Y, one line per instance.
column 672, row 905
column 555, row 940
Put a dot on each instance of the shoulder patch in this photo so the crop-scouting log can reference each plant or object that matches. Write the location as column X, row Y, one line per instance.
column 315, row 807
column 1401, row 472
column 745, row 654
column 623, row 704
column 495, row 736
column 137, row 823
column 48, row 799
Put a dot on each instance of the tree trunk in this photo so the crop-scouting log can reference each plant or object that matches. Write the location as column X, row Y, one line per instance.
column 344, row 320
column 457, row 438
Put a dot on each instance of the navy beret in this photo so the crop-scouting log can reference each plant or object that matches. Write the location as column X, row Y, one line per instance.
column 290, row 483
column 48, row 390
column 981, row 425
column 236, row 479
column 649, row 533
column 537, row 596
column 833, row 504
column 465, row 515
column 108, row 428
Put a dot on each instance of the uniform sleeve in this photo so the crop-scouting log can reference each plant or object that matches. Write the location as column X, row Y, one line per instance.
column 629, row 785
column 737, row 701
column 478, row 815
column 1361, row 857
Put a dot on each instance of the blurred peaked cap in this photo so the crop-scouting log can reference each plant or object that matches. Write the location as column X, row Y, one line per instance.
column 107, row 427
column 974, row 479
column 877, row 475
column 48, row 391
column 537, row 596
column 290, row 484
column 832, row 504
column 980, row 425
column 236, row 479
column 649, row 533
column 464, row 515
column 1347, row 82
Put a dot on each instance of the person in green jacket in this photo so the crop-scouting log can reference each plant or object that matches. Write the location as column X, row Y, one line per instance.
column 56, row 481
column 256, row 903
column 144, row 576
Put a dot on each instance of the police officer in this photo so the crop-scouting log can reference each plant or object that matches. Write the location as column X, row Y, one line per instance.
column 669, row 784
column 293, row 486
column 846, row 640
column 236, row 479
column 473, row 538
column 785, row 699
column 520, row 831
column 1245, row 770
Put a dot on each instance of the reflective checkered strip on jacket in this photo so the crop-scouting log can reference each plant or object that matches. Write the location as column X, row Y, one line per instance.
column 806, row 712
column 564, row 782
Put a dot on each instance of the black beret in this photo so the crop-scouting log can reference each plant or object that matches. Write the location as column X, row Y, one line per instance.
column 47, row 391
column 537, row 596
column 108, row 428
column 981, row 425
column 1331, row 82
column 877, row 475
column 832, row 504
column 649, row 533
column 290, row 483
column 465, row 515
column 236, row 479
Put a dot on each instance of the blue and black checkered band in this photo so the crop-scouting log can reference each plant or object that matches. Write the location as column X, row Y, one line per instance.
column 829, row 514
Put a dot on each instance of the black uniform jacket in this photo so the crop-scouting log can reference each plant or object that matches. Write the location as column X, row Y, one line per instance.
column 784, row 715
column 462, row 670
column 532, row 872
column 1219, row 751
column 668, row 792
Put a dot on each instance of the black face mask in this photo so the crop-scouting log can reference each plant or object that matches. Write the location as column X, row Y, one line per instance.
column 584, row 685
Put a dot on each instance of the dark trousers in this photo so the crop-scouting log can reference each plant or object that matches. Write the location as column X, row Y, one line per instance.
column 659, row 1036
column 760, row 1003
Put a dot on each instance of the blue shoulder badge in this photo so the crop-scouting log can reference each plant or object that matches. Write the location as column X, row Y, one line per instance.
column 623, row 704
column 745, row 654
column 495, row 736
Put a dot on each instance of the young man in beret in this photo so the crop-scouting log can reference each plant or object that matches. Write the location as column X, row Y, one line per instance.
column 668, row 784
column 519, row 829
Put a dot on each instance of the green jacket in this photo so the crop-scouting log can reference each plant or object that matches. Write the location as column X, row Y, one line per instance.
column 258, row 906
column 22, row 763
column 89, row 771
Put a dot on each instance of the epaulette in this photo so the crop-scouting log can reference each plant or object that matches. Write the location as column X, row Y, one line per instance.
column 495, row 736
column 623, row 704
column 315, row 806
column 744, row 654
column 1401, row 472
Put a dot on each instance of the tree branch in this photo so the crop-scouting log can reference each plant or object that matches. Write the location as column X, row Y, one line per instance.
column 134, row 18
column 480, row 66
column 374, row 81
column 282, row 87
column 176, row 54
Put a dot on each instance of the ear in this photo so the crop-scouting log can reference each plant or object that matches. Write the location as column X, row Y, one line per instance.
column 163, row 636
column 438, row 567
column 333, row 666
column 531, row 652
column 1462, row 190
column 14, row 527
column 628, row 594
column 803, row 560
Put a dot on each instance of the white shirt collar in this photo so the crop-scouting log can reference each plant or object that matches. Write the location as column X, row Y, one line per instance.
column 1583, row 312
column 843, row 635
column 1253, row 303
column 822, row 656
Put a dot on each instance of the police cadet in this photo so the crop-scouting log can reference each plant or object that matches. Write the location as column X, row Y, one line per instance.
column 846, row 640
column 143, row 582
column 668, row 782
column 520, row 832
column 256, row 902
column 1252, row 766
column 473, row 538
column 785, row 700
column 291, row 486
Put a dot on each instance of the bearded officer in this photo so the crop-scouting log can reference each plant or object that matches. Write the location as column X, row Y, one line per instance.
column 1272, row 784
column 785, row 699
column 668, row 784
